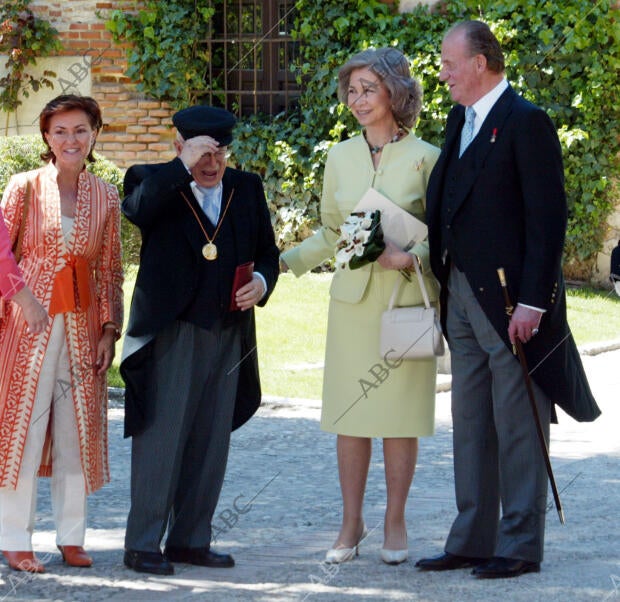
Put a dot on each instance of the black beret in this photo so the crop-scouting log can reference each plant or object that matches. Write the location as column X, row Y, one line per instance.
column 202, row 120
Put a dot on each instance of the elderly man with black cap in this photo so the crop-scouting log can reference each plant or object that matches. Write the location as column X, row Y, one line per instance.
column 189, row 361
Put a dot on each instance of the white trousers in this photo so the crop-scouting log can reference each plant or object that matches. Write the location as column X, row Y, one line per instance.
column 17, row 507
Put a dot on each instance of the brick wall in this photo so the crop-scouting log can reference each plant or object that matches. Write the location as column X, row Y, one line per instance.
column 136, row 128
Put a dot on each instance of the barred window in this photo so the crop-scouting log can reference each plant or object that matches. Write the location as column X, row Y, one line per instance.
column 251, row 52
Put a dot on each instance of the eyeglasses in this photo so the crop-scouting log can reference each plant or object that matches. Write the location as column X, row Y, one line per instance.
column 222, row 153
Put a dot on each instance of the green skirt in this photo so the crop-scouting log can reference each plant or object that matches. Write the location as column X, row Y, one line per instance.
column 365, row 395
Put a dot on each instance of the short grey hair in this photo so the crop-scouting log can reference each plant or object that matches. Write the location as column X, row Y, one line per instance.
column 481, row 40
column 392, row 68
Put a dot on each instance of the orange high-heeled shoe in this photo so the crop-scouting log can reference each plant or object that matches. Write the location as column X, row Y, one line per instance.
column 75, row 556
column 23, row 561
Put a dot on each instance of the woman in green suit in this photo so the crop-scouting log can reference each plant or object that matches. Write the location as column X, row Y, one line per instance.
column 365, row 395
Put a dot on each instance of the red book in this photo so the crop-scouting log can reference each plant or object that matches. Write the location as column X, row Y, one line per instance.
column 243, row 275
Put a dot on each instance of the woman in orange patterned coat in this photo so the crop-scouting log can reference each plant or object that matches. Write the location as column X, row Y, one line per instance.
column 53, row 395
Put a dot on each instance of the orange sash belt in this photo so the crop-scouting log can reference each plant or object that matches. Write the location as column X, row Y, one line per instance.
column 71, row 290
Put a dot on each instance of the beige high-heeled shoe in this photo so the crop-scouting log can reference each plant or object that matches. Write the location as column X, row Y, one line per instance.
column 394, row 556
column 390, row 556
column 339, row 555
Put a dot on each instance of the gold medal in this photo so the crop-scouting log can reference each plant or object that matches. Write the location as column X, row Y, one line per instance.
column 209, row 251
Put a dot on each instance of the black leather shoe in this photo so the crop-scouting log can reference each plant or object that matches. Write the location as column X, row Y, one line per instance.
column 200, row 557
column 448, row 562
column 499, row 568
column 148, row 562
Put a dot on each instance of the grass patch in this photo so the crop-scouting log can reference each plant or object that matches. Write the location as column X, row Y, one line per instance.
column 291, row 336
column 593, row 314
column 291, row 331
column 114, row 377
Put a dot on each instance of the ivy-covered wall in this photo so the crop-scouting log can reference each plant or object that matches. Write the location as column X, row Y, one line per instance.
column 564, row 59
column 562, row 56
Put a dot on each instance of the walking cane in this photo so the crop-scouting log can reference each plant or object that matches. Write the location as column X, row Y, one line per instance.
column 518, row 346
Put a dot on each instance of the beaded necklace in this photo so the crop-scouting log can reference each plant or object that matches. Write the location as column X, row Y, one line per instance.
column 377, row 149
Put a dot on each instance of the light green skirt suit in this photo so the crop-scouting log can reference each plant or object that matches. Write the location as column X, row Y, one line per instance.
column 365, row 395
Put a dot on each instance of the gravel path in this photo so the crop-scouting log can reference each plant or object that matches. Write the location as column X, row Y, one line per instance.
column 280, row 506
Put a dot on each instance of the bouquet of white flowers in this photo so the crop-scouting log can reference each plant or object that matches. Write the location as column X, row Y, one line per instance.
column 361, row 240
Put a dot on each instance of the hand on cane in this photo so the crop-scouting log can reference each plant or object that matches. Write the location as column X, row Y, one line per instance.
column 524, row 324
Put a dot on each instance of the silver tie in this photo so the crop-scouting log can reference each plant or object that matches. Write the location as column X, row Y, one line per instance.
column 467, row 133
column 207, row 200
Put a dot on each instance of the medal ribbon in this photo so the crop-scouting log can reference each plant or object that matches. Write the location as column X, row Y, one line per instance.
column 219, row 223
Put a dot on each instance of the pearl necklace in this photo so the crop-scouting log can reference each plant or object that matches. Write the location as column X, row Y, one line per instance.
column 377, row 149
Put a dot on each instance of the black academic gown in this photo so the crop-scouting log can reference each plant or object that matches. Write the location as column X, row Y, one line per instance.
column 167, row 280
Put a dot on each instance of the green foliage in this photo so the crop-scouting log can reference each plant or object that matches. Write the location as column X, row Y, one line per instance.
column 23, row 153
column 130, row 234
column 17, row 154
column 593, row 314
column 165, row 56
column 564, row 59
column 327, row 40
column 290, row 159
column 24, row 38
